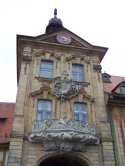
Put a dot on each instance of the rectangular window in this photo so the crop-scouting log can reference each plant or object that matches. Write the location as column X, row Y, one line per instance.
column 46, row 69
column 44, row 110
column 123, row 89
column 80, row 112
column 77, row 72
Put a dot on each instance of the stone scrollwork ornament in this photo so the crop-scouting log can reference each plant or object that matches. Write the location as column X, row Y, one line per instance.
column 63, row 134
column 27, row 52
column 65, row 86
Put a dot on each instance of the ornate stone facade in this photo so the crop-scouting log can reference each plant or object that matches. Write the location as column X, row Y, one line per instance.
column 34, row 142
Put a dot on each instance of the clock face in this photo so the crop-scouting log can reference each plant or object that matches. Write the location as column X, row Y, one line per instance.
column 64, row 38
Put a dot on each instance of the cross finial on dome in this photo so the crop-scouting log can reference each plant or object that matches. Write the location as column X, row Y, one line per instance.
column 55, row 12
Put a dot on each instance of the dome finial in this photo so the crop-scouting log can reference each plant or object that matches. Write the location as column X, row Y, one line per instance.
column 55, row 23
column 55, row 12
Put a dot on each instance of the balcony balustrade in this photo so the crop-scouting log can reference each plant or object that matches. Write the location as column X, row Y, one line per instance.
column 63, row 134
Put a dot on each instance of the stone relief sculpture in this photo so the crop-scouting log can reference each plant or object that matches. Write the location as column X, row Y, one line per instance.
column 65, row 86
column 27, row 52
column 81, row 56
column 63, row 134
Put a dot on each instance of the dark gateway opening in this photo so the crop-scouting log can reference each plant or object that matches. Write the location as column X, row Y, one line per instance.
column 63, row 161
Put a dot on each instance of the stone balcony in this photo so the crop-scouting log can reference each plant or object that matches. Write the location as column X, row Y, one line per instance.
column 63, row 134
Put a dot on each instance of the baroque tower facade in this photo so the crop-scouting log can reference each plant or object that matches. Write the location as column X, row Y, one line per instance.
column 60, row 114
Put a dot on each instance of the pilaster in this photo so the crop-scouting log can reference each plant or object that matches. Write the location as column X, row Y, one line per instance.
column 17, row 135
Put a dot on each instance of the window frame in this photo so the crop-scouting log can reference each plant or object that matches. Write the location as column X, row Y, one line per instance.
column 122, row 89
column 44, row 113
column 44, row 69
column 81, row 112
column 78, row 73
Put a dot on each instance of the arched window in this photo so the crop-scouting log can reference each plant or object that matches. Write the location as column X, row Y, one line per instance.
column 80, row 112
column 44, row 109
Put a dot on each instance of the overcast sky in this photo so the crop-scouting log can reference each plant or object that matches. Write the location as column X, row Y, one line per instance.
column 100, row 22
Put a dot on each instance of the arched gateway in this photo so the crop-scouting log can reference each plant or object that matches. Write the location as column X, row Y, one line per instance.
column 64, row 160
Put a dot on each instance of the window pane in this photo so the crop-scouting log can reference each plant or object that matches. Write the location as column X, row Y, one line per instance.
column 44, row 109
column 74, row 77
column 80, row 117
column 46, row 73
column 74, row 69
column 1, row 156
column 46, row 69
column 39, row 116
column 48, row 116
column 47, row 65
column 77, row 73
column 80, row 112
column 49, row 106
column 39, row 104
column 79, row 69
column 123, row 89
column 76, row 117
column 79, row 77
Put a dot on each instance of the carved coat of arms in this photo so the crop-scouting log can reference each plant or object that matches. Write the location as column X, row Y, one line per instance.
column 65, row 86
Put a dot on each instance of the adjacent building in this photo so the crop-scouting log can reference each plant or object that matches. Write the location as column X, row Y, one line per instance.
column 114, row 87
column 6, row 121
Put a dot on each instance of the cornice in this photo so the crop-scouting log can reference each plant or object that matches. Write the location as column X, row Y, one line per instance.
column 38, row 44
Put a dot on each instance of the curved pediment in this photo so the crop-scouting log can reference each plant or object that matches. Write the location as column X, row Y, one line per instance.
column 43, row 92
column 87, row 96
column 84, row 95
column 43, row 52
column 46, row 92
column 83, row 57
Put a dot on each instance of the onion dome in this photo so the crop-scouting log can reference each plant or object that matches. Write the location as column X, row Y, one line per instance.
column 54, row 23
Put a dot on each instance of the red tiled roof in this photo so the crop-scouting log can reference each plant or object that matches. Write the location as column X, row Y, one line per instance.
column 6, row 121
column 115, row 80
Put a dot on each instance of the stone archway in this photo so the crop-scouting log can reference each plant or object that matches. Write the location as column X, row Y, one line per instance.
column 64, row 160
